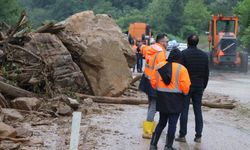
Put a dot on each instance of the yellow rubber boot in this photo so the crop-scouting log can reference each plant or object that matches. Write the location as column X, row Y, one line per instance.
column 148, row 129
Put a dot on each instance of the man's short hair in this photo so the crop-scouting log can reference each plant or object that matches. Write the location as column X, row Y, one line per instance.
column 193, row 40
column 160, row 36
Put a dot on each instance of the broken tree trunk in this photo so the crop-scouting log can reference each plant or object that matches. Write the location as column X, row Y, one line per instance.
column 138, row 101
column 14, row 91
column 218, row 105
column 115, row 100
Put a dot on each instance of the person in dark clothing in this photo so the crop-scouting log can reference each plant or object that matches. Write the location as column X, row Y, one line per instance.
column 139, row 60
column 171, row 84
column 196, row 62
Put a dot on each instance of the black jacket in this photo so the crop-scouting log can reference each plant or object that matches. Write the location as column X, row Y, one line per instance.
column 196, row 62
column 168, row 102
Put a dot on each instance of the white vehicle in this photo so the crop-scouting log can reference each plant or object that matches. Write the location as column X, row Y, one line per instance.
column 182, row 46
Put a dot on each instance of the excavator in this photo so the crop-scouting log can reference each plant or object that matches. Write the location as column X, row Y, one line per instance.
column 223, row 47
column 140, row 32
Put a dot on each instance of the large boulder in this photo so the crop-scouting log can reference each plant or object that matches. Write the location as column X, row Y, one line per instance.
column 99, row 48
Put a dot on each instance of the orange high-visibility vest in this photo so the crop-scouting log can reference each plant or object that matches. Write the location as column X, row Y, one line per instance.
column 152, row 59
column 143, row 50
column 180, row 81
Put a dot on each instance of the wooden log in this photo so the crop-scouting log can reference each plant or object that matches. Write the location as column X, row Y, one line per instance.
column 14, row 91
column 218, row 105
column 138, row 101
column 114, row 100
column 16, row 140
column 50, row 28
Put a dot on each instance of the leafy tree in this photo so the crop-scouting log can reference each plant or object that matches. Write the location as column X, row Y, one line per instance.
column 157, row 13
column 138, row 4
column 133, row 16
column 9, row 11
column 196, row 17
column 224, row 7
column 243, row 10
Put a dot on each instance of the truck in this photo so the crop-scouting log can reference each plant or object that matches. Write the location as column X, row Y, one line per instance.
column 223, row 46
column 140, row 32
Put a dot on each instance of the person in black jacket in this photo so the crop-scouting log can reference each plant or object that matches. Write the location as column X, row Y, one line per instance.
column 196, row 62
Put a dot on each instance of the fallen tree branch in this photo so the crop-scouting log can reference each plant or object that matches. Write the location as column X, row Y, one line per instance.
column 22, row 20
column 138, row 77
column 34, row 112
column 50, row 28
column 114, row 100
column 21, row 48
column 14, row 91
column 16, row 140
column 41, row 123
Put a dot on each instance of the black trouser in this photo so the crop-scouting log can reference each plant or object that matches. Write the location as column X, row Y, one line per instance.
column 196, row 95
column 172, row 121
column 139, row 62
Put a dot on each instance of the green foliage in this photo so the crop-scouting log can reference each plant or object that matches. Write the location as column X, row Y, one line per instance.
column 196, row 17
column 157, row 13
column 9, row 11
column 133, row 16
column 245, row 38
column 243, row 11
column 176, row 17
column 10, row 71
column 224, row 7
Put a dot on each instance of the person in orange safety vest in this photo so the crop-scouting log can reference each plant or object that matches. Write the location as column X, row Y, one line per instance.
column 153, row 55
column 171, row 83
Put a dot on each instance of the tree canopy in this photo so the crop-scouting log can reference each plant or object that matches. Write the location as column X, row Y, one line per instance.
column 175, row 17
column 9, row 10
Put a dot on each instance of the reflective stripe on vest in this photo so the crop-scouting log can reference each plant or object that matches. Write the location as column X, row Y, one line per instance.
column 176, row 90
column 152, row 67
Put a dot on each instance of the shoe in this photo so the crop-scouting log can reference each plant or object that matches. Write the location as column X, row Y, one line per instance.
column 197, row 139
column 148, row 129
column 181, row 139
column 154, row 141
column 169, row 143
column 169, row 148
column 153, row 147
